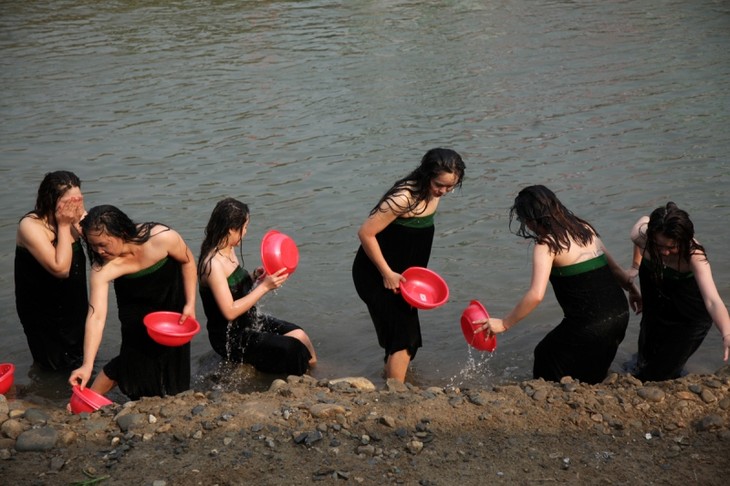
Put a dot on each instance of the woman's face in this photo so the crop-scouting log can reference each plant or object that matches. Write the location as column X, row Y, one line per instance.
column 443, row 184
column 666, row 246
column 236, row 235
column 108, row 247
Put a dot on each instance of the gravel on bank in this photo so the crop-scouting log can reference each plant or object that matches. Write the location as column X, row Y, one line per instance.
column 347, row 431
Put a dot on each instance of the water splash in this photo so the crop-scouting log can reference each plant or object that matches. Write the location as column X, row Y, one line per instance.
column 476, row 370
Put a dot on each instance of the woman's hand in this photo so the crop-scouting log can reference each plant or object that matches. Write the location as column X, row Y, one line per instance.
column 635, row 300
column 258, row 273
column 187, row 312
column 392, row 280
column 276, row 280
column 491, row 326
column 80, row 376
column 70, row 210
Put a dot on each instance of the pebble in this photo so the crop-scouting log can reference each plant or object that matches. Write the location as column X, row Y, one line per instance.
column 710, row 422
column 12, row 428
column 651, row 394
column 415, row 446
column 707, row 396
column 36, row 416
column 388, row 421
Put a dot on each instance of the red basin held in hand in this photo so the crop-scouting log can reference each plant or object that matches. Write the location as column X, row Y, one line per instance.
column 424, row 288
column 7, row 376
column 279, row 251
column 164, row 328
column 87, row 400
column 475, row 311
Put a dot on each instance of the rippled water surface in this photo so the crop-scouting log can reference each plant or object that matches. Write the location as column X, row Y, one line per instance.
column 309, row 110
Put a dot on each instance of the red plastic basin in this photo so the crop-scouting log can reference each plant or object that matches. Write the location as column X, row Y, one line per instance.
column 279, row 251
column 475, row 311
column 164, row 328
column 7, row 376
column 87, row 400
column 424, row 288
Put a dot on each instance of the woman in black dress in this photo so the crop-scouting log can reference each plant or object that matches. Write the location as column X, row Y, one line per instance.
column 587, row 283
column 50, row 274
column 152, row 270
column 237, row 331
column 397, row 235
column 681, row 300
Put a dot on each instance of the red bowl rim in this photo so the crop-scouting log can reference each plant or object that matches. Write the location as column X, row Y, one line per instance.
column 151, row 328
column 417, row 303
column 478, row 304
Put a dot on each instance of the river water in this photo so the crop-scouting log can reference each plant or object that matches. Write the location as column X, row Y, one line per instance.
column 309, row 110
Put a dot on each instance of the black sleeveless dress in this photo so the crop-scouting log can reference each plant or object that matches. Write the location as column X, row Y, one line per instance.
column 52, row 310
column 674, row 322
column 406, row 242
column 596, row 315
column 253, row 338
column 143, row 367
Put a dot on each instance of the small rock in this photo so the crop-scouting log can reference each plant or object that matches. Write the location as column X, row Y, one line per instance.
column 66, row 437
column 367, row 450
column 278, row 385
column 12, row 428
column 16, row 414
column 651, row 394
column 388, row 421
column 707, row 396
column 131, row 421
column 395, row 386
column 415, row 446
column 321, row 410
column 358, row 383
column 36, row 416
column 456, row 401
column 710, row 422
column 57, row 463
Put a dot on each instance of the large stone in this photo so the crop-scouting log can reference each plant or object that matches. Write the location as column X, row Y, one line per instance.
column 34, row 440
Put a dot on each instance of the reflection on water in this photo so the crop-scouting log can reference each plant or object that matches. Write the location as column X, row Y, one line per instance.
column 308, row 111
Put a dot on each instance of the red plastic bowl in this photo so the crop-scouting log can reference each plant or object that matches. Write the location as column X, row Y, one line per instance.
column 164, row 328
column 87, row 400
column 279, row 251
column 424, row 288
column 475, row 311
column 7, row 375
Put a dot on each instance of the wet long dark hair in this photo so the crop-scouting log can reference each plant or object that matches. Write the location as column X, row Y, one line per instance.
column 674, row 224
column 434, row 163
column 53, row 186
column 228, row 214
column 545, row 220
column 112, row 221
